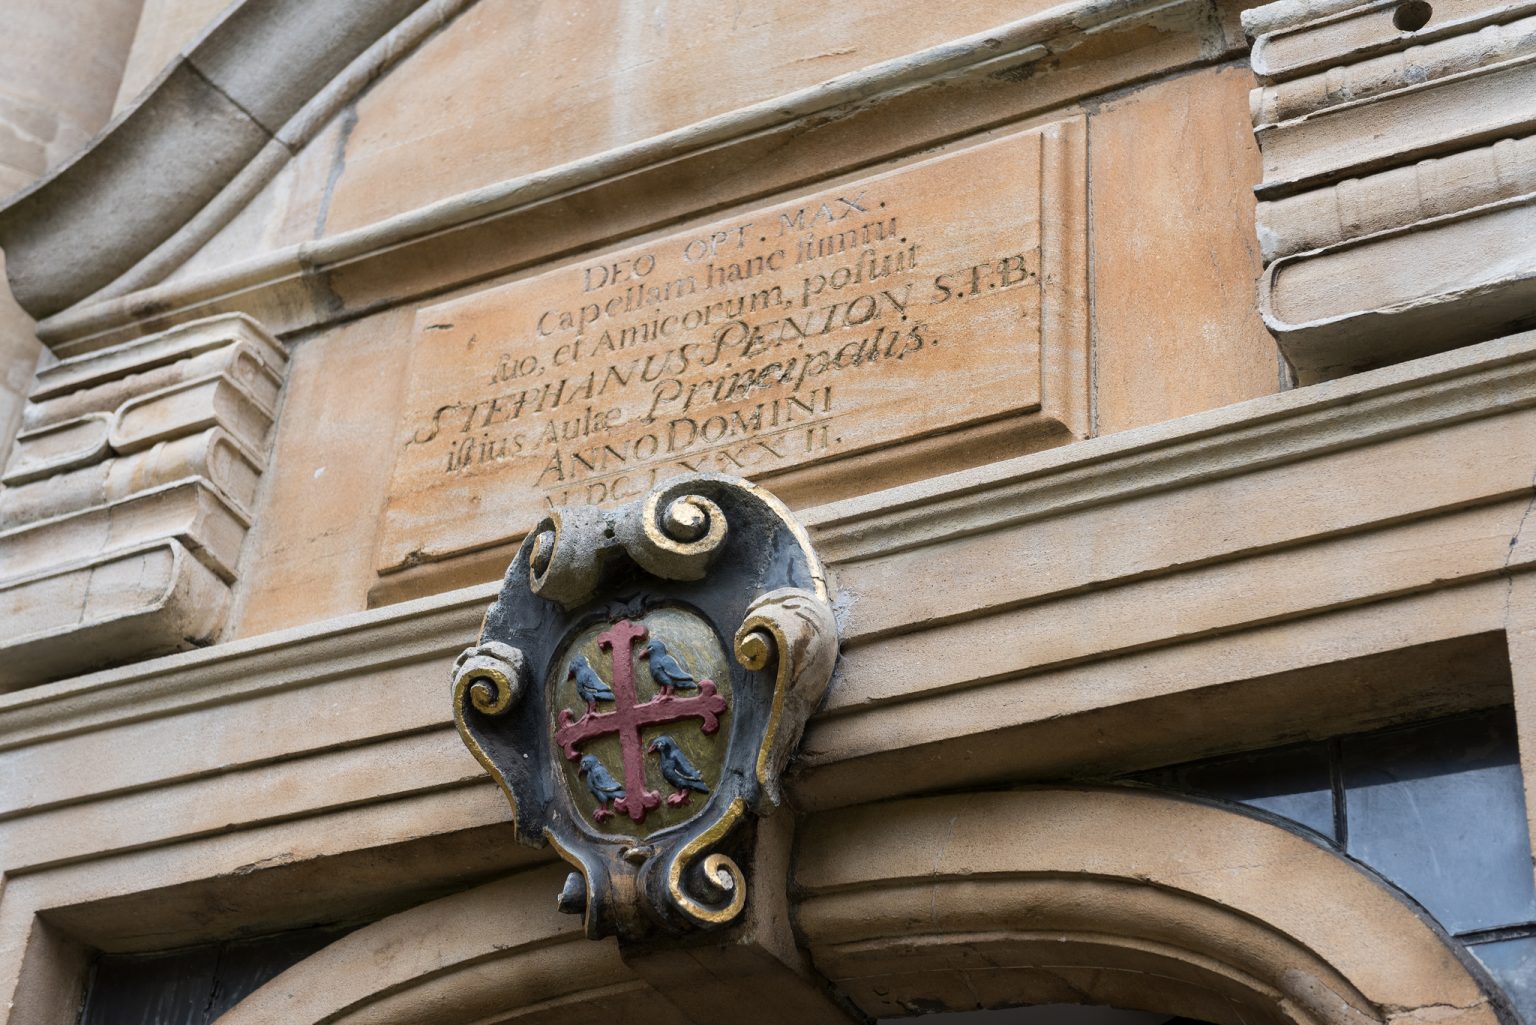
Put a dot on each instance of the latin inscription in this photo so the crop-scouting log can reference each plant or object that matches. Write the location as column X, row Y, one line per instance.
column 886, row 309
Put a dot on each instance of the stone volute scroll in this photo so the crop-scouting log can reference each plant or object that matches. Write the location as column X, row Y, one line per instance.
column 639, row 686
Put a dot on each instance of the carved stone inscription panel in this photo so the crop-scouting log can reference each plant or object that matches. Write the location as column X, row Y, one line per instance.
column 927, row 301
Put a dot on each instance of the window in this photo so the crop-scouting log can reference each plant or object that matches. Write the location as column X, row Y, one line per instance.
column 1438, row 808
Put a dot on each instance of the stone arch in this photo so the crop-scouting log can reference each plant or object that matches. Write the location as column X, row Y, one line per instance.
column 497, row 950
column 1117, row 896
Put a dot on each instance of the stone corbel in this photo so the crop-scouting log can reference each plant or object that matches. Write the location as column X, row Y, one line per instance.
column 127, row 496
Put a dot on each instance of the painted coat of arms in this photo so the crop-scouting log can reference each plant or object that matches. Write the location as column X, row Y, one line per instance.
column 639, row 686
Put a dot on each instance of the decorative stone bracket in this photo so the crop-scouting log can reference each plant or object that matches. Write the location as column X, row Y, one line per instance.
column 127, row 496
column 1399, row 192
column 638, row 689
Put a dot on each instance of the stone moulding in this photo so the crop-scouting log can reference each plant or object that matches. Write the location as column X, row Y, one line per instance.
column 1289, row 428
column 1292, row 39
column 1494, row 376
column 1390, row 130
column 223, row 97
column 299, row 286
column 128, row 494
column 1124, row 897
column 153, row 598
column 621, row 618
column 1424, row 289
column 1362, row 207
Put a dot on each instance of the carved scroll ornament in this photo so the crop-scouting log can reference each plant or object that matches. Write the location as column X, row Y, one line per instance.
column 639, row 687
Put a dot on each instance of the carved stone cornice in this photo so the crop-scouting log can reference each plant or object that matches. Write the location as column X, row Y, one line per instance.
column 224, row 100
column 1399, row 189
column 503, row 227
column 127, row 496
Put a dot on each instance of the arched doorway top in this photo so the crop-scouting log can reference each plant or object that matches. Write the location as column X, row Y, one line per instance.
column 498, row 949
column 1118, row 896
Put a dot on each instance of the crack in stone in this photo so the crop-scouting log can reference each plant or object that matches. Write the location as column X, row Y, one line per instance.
column 1509, row 555
column 1400, row 1011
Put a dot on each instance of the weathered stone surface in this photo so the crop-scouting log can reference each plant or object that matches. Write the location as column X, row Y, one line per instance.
column 912, row 305
column 58, row 447
column 1133, row 899
column 1399, row 126
column 165, row 28
column 312, row 549
column 1429, row 188
column 1314, row 36
column 317, row 40
column 1037, row 65
column 56, row 251
column 1493, row 44
column 220, row 102
column 156, row 448
column 216, row 400
column 155, row 598
column 1397, row 174
column 1406, row 292
column 251, row 367
column 123, row 363
column 59, row 68
column 213, row 455
column 189, row 511
column 578, row 69
column 1166, row 251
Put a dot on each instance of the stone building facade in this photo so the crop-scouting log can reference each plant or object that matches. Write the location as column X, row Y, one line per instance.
column 1156, row 380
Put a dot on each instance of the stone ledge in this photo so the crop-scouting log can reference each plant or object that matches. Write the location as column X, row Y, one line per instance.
column 435, row 248
column 1476, row 381
column 157, row 597
column 1411, row 398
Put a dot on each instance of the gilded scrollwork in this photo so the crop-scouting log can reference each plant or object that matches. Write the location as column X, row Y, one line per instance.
column 605, row 699
column 795, row 632
column 724, row 883
column 566, row 559
column 492, row 679
column 674, row 533
column 493, row 674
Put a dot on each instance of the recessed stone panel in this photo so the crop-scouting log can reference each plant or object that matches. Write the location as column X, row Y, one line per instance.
column 931, row 315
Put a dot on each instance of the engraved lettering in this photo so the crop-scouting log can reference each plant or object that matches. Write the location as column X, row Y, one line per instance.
column 843, row 322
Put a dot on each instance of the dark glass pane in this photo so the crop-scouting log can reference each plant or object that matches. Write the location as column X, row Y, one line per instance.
column 1513, row 964
column 1044, row 1014
column 1292, row 782
column 195, row 985
column 1438, row 809
column 151, row 989
column 245, row 965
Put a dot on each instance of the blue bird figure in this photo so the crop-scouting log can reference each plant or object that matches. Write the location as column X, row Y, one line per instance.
column 677, row 770
column 668, row 673
column 589, row 685
column 602, row 784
